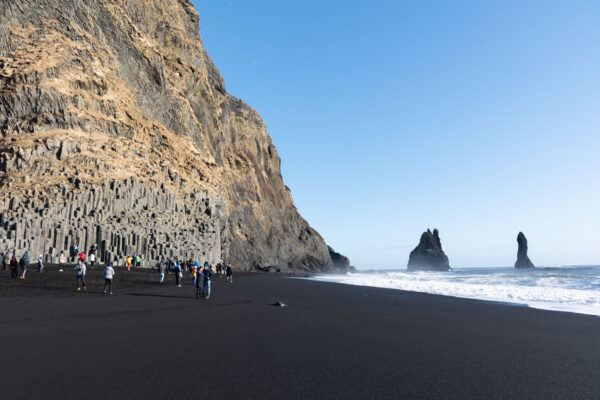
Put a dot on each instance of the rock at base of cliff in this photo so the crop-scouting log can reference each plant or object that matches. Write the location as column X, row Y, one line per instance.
column 523, row 260
column 428, row 255
column 340, row 261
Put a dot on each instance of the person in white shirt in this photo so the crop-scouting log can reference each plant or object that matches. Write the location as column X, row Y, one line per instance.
column 40, row 261
column 109, row 273
column 80, row 273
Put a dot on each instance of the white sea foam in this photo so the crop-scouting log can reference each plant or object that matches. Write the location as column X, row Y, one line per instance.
column 573, row 289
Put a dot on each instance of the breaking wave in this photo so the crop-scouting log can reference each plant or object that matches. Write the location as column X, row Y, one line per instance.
column 573, row 289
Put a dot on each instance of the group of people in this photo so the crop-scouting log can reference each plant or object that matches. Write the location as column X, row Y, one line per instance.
column 81, row 270
column 22, row 263
column 133, row 261
column 77, row 255
column 202, row 275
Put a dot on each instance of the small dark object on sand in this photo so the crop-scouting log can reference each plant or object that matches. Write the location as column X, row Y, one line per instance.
column 280, row 304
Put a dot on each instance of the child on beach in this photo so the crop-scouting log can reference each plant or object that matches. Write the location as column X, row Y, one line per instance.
column 80, row 274
column 109, row 273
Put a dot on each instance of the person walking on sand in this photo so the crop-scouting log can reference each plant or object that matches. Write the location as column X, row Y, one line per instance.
column 205, row 279
column 24, row 261
column 161, row 270
column 62, row 259
column 198, row 280
column 14, row 267
column 40, row 262
column 178, row 273
column 128, row 260
column 6, row 260
column 109, row 273
column 196, row 271
column 229, row 272
column 80, row 274
column 92, row 257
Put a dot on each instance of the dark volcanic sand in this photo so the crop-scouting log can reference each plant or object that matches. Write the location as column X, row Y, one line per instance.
column 333, row 341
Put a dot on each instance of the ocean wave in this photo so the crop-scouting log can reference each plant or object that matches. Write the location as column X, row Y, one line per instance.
column 573, row 289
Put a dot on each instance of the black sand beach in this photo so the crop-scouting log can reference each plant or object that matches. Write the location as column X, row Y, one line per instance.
column 333, row 341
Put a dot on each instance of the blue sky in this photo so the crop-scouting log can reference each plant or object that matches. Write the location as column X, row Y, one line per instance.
column 479, row 118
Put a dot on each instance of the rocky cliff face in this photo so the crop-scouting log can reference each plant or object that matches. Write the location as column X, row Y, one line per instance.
column 340, row 261
column 116, row 127
column 523, row 260
column 428, row 255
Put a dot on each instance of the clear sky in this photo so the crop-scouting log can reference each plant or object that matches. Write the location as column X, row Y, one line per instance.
column 479, row 118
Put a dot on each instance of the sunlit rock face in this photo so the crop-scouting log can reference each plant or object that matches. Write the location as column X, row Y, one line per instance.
column 116, row 128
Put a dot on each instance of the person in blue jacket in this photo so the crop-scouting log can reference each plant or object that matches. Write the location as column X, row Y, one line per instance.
column 178, row 273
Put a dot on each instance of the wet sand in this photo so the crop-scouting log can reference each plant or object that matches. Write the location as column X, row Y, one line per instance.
column 332, row 341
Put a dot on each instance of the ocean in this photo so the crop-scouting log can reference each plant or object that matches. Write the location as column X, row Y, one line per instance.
column 567, row 288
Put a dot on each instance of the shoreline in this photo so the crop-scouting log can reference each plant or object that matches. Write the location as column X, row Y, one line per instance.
column 537, row 289
column 331, row 341
column 497, row 302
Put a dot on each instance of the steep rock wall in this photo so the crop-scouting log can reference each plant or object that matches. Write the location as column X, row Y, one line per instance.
column 121, row 94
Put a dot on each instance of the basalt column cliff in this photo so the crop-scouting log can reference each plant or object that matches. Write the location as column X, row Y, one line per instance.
column 116, row 128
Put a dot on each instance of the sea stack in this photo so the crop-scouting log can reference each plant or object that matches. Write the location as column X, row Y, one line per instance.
column 523, row 260
column 428, row 255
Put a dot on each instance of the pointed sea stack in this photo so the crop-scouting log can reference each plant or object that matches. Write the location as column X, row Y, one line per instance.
column 523, row 260
column 428, row 255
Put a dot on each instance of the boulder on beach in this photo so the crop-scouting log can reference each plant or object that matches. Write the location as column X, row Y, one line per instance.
column 428, row 255
column 523, row 260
